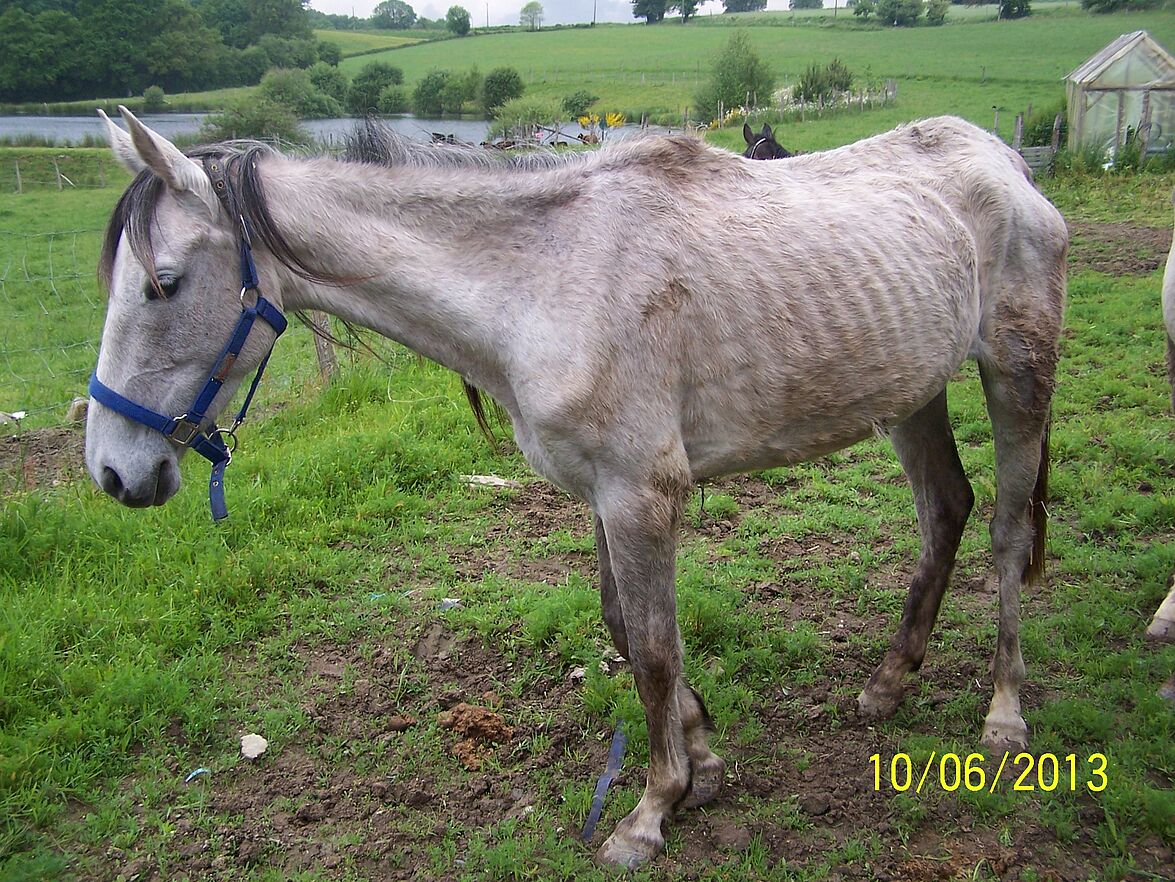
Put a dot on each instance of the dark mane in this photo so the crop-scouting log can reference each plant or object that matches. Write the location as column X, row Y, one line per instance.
column 135, row 212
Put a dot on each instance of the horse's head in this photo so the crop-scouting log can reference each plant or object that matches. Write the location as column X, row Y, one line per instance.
column 170, row 262
column 763, row 145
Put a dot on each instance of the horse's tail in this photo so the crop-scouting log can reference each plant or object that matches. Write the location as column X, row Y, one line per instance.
column 1040, row 513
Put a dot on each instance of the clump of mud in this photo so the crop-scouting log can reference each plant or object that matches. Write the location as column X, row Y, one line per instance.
column 478, row 727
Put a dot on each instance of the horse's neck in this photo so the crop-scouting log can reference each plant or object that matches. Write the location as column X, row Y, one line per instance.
column 439, row 256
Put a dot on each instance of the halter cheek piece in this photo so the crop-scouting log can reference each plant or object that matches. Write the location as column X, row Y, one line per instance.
column 185, row 430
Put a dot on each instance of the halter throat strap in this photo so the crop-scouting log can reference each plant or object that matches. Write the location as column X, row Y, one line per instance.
column 187, row 429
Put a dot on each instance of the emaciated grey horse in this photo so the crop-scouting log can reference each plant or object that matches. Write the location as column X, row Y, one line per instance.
column 730, row 315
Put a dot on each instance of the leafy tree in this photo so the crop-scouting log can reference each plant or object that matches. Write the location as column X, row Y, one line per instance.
column 687, row 8
column 744, row 5
column 281, row 18
column 154, row 100
column 738, row 72
column 394, row 14
column 393, row 99
column 37, row 59
column 369, row 83
column 457, row 20
column 1014, row 9
column 899, row 13
column 230, row 18
column 936, row 10
column 577, row 103
column 249, row 118
column 288, row 52
column 863, row 9
column 329, row 52
column 428, row 98
column 500, row 85
column 824, row 82
column 531, row 16
column 330, row 81
column 805, row 4
column 296, row 90
column 652, row 11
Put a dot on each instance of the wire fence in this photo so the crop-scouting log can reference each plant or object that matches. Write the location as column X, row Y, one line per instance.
column 53, row 315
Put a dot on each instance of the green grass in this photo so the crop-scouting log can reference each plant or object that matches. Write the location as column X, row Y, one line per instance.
column 118, row 627
column 364, row 42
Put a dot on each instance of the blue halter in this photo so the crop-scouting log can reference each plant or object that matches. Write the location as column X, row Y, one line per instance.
column 186, row 430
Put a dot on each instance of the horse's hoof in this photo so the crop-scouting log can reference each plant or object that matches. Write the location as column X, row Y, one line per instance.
column 708, row 778
column 624, row 851
column 1161, row 630
column 1008, row 735
column 876, row 705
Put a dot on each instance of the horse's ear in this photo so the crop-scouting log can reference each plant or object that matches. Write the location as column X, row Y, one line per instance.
column 123, row 147
column 181, row 174
column 767, row 133
column 748, row 135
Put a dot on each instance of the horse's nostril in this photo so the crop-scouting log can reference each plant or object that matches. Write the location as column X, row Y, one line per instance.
column 111, row 482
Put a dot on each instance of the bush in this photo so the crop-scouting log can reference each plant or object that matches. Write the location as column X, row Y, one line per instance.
column 1038, row 128
column 393, row 99
column 283, row 52
column 738, row 73
column 501, row 85
column 329, row 53
column 153, row 100
column 253, row 118
column 330, row 81
column 822, row 83
column 863, row 9
column 936, row 11
column 899, row 13
column 578, row 103
column 1009, row 9
column 527, row 112
column 295, row 89
column 368, row 85
column 428, row 98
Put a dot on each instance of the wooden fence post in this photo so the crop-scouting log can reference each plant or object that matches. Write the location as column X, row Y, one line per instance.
column 1018, row 132
column 58, row 170
column 1057, row 133
column 327, row 362
column 18, row 183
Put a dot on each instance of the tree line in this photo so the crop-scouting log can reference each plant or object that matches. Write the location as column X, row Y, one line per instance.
column 76, row 49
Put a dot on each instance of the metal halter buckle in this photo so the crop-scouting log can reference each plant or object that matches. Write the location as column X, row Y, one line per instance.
column 185, row 430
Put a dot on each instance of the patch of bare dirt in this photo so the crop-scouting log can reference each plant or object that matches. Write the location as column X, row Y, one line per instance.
column 1118, row 249
column 345, row 793
column 41, row 458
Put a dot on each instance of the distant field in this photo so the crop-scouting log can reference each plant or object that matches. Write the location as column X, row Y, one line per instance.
column 362, row 42
column 965, row 67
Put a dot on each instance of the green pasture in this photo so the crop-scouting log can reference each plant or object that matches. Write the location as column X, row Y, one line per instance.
column 137, row 646
column 364, row 42
column 963, row 68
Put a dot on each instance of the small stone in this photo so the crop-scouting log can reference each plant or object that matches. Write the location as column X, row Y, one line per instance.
column 399, row 724
column 252, row 746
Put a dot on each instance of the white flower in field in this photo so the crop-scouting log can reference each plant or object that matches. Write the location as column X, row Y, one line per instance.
column 252, row 746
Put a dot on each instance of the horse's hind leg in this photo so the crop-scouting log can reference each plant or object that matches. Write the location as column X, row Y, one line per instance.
column 925, row 445
column 708, row 768
column 1018, row 401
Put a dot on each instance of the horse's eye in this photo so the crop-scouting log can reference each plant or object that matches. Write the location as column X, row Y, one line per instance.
column 168, row 286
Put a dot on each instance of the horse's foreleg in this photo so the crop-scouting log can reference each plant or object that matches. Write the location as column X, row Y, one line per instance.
column 943, row 498
column 709, row 769
column 639, row 537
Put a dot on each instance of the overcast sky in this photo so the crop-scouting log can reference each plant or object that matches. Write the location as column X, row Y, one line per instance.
column 506, row 11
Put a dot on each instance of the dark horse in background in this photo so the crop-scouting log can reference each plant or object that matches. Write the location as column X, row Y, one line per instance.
column 763, row 145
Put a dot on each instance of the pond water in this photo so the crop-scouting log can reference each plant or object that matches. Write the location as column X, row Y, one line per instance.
column 74, row 129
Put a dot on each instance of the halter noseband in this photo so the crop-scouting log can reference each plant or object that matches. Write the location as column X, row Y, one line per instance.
column 185, row 429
